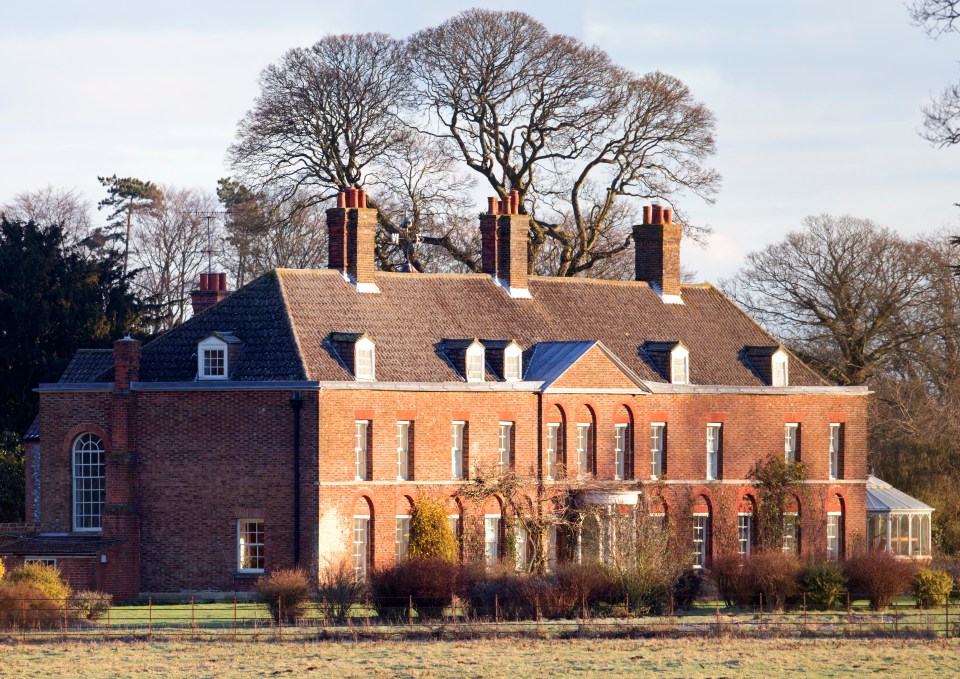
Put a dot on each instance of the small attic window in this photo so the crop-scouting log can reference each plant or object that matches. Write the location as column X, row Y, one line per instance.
column 679, row 365
column 780, row 369
column 512, row 362
column 364, row 359
column 212, row 359
column 475, row 361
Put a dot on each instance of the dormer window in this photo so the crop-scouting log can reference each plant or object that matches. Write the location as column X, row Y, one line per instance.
column 364, row 359
column 475, row 361
column 212, row 359
column 512, row 363
column 780, row 367
column 679, row 365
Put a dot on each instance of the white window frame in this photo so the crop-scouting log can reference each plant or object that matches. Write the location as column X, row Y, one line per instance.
column 361, row 542
column 658, row 431
column 403, row 450
column 402, row 537
column 780, row 369
column 834, row 522
column 551, row 547
column 475, row 362
column 583, row 447
column 714, row 435
column 620, row 442
column 520, row 545
column 453, row 520
column 701, row 531
column 491, row 539
column 363, row 370
column 42, row 560
column 744, row 533
column 512, row 363
column 791, row 431
column 553, row 442
column 792, row 519
column 680, row 365
column 89, row 475
column 457, row 429
column 361, row 434
column 504, row 449
column 244, row 544
column 210, row 345
column 835, row 444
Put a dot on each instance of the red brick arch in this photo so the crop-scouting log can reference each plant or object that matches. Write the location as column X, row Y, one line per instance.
column 85, row 428
column 623, row 414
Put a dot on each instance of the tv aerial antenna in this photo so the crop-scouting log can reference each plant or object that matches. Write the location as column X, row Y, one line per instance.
column 209, row 217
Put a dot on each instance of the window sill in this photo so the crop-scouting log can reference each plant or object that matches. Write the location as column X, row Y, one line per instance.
column 248, row 574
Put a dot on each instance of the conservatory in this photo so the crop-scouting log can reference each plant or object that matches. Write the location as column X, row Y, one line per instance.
column 896, row 521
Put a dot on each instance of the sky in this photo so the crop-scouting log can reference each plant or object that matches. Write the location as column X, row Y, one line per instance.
column 818, row 102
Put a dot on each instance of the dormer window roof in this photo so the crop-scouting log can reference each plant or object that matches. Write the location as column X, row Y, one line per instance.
column 670, row 359
column 357, row 352
column 504, row 358
column 215, row 355
column 468, row 357
column 770, row 363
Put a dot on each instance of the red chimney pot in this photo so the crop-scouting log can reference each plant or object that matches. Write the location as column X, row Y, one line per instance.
column 492, row 205
column 667, row 216
column 362, row 198
column 657, row 216
column 646, row 214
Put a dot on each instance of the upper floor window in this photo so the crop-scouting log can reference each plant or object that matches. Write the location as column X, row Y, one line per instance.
column 505, row 447
column 680, row 365
column 714, row 435
column 364, row 359
column 583, row 448
column 361, row 441
column 404, row 468
column 657, row 431
column 212, row 359
column 836, row 446
column 780, row 369
column 791, row 442
column 512, row 362
column 89, row 483
column 456, row 448
column 475, row 361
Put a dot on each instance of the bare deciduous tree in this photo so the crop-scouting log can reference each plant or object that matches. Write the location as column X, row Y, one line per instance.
column 941, row 124
column 845, row 293
column 168, row 249
column 53, row 205
column 555, row 120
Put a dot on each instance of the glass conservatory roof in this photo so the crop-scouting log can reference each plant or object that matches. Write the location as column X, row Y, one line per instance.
column 882, row 497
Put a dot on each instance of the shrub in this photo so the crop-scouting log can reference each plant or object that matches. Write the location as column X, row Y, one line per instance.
column 932, row 586
column 2, row 569
column 430, row 533
column 648, row 592
column 824, row 584
column 285, row 592
column 687, row 588
column 430, row 584
column 34, row 595
column 561, row 594
column 485, row 590
column 880, row 576
column 340, row 589
column 775, row 574
column 89, row 605
column 729, row 573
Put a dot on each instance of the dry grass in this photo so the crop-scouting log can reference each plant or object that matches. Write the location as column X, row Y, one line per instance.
column 709, row 657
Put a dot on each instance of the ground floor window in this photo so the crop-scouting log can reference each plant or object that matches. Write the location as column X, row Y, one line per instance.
column 520, row 546
column 403, row 538
column 250, row 545
column 701, row 538
column 491, row 538
column 834, row 535
column 361, row 526
column 551, row 548
column 52, row 563
column 791, row 543
column 901, row 534
column 744, row 531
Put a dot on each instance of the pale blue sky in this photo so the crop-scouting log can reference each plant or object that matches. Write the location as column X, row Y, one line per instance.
column 818, row 101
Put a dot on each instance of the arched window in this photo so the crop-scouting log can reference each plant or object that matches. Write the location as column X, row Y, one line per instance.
column 364, row 360
column 746, row 526
column 362, row 538
column 702, row 548
column 835, row 528
column 680, row 365
column 555, row 443
column 89, row 483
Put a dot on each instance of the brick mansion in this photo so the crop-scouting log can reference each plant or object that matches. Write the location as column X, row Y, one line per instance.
column 295, row 421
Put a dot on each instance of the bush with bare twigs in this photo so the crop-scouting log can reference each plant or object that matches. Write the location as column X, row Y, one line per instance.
column 285, row 592
column 880, row 576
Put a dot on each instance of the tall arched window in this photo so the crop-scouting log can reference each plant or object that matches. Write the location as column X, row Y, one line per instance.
column 89, row 483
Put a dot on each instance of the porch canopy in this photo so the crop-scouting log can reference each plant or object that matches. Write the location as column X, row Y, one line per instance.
column 897, row 522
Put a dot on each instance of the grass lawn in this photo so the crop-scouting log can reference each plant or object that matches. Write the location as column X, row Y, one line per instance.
column 707, row 657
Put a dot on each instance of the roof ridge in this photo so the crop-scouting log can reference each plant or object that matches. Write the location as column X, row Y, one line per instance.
column 293, row 330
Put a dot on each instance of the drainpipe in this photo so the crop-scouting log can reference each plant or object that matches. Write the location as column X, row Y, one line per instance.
column 296, row 403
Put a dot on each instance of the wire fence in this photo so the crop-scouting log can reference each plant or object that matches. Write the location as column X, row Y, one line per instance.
column 404, row 617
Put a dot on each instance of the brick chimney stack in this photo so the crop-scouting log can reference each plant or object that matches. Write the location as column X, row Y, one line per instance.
column 657, row 248
column 213, row 288
column 352, row 227
column 504, row 235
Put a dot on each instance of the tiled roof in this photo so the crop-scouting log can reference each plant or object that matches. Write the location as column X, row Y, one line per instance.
column 90, row 365
column 58, row 545
column 33, row 431
column 285, row 320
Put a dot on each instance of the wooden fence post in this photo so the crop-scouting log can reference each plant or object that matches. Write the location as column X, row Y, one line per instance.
column 410, row 611
column 150, row 617
column 280, row 617
column 234, row 617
